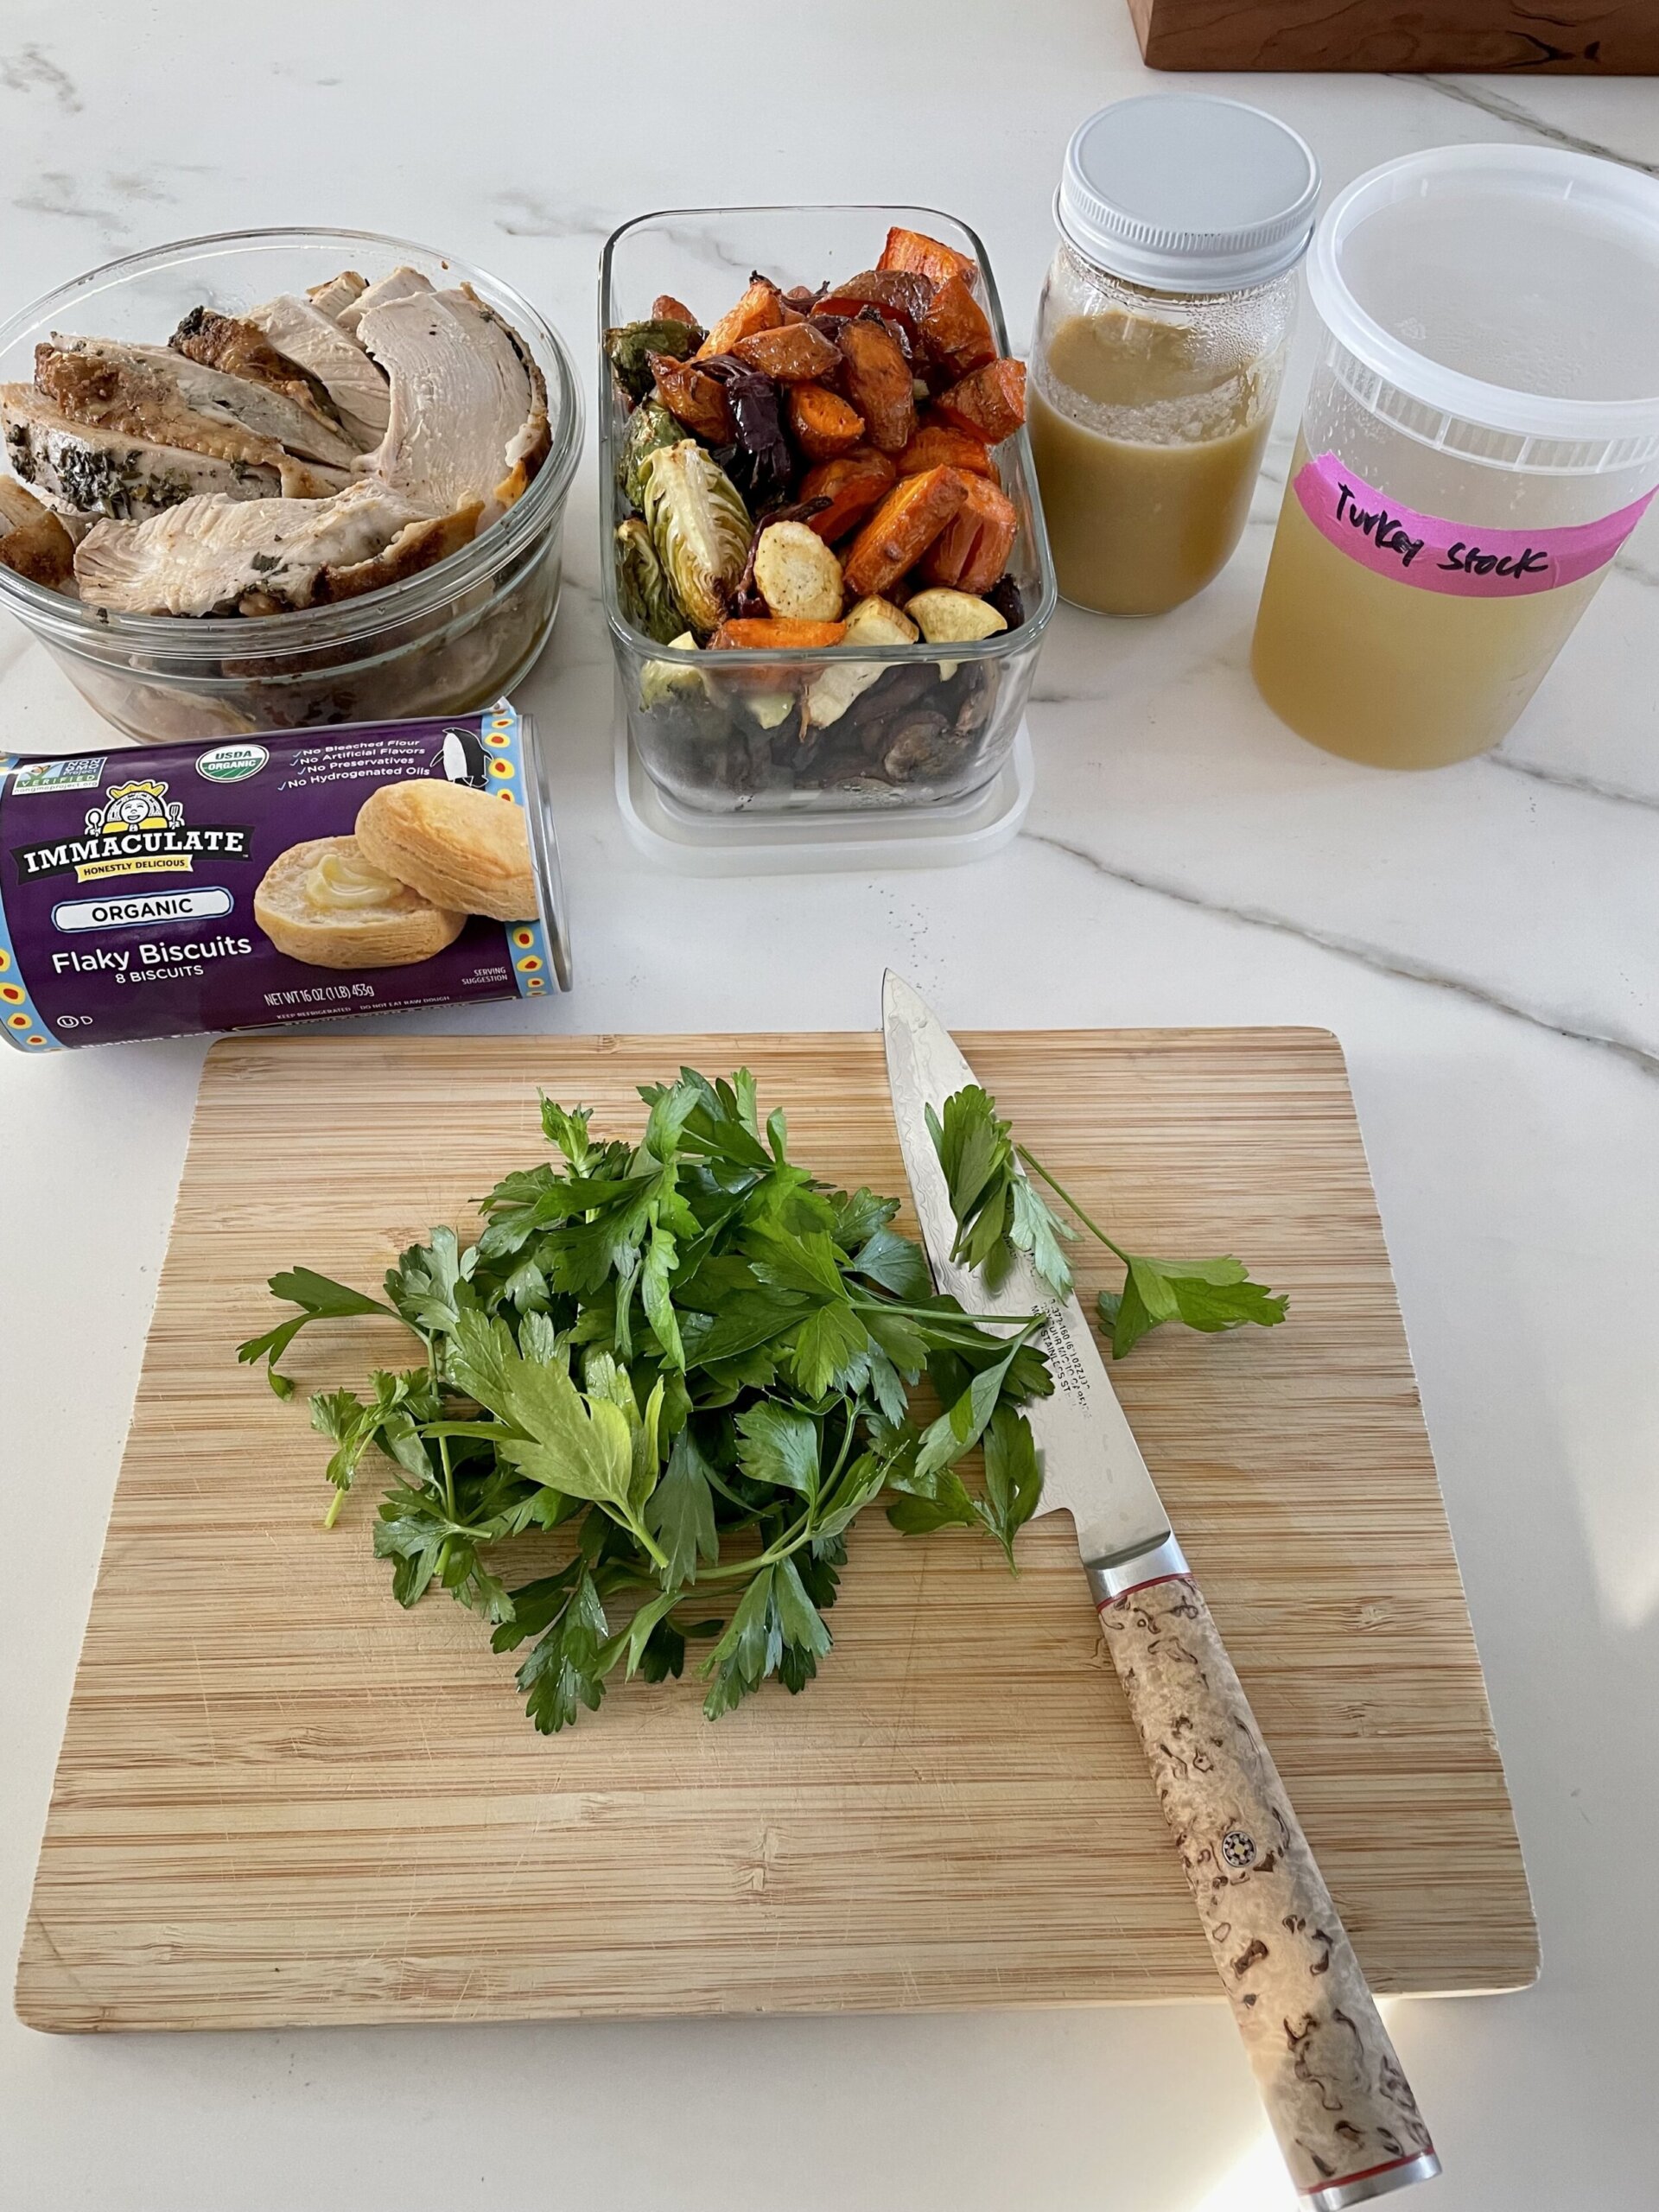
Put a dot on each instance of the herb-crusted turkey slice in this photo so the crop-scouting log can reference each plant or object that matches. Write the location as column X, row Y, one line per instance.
column 150, row 393
column 177, row 380
column 215, row 555
column 468, row 406
column 304, row 334
column 84, row 468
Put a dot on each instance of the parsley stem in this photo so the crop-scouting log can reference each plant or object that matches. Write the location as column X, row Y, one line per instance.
column 1059, row 1190
column 945, row 1320
column 770, row 1557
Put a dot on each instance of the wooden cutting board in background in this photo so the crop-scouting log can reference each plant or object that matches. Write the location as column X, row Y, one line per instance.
column 1599, row 38
column 282, row 1800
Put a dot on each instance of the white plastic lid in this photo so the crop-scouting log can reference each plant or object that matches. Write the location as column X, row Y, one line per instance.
column 1185, row 193
column 1514, row 287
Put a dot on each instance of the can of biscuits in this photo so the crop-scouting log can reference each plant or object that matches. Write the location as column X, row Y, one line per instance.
column 281, row 877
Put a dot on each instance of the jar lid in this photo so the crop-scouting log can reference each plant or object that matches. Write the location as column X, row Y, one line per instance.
column 1185, row 193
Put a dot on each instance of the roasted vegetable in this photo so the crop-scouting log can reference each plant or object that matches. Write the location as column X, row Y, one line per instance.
column 693, row 398
column 938, row 445
column 799, row 353
column 953, row 617
column 757, row 457
column 956, row 331
column 667, row 308
column 972, row 550
column 853, row 485
column 915, row 251
column 761, row 308
column 650, row 427
column 879, row 383
column 780, row 634
column 821, row 423
column 661, row 681
column 902, row 528
column 642, row 587
column 991, row 403
column 629, row 349
column 871, row 622
column 699, row 528
column 1005, row 596
column 796, row 573
column 898, row 294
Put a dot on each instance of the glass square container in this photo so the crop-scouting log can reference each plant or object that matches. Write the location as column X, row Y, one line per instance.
column 723, row 734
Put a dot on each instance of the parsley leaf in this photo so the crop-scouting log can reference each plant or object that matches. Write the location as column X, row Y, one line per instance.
column 687, row 1365
column 318, row 1299
column 999, row 1212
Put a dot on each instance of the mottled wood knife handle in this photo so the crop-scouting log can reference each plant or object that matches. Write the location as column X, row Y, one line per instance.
column 1340, row 2105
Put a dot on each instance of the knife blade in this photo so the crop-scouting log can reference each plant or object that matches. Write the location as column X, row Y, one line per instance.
column 1092, row 1466
column 1341, row 2107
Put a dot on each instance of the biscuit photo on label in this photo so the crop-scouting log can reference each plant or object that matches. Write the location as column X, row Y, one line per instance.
column 326, row 903
column 464, row 849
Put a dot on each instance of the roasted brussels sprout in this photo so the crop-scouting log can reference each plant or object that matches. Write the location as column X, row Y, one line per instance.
column 699, row 528
column 642, row 587
column 649, row 426
column 628, row 350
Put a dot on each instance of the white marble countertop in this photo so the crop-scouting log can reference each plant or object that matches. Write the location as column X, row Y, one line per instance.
column 1483, row 940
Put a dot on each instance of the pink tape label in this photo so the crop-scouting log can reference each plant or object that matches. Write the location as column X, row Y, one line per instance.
column 1465, row 559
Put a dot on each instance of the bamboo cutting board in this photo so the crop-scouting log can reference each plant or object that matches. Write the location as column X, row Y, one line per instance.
column 281, row 1800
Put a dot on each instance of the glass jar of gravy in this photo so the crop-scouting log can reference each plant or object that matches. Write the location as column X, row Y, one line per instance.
column 1162, row 339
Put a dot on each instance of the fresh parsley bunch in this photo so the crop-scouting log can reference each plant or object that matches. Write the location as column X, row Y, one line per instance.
column 694, row 1362
column 1000, row 1212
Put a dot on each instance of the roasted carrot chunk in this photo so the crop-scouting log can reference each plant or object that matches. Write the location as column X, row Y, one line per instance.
column 879, row 383
column 991, row 403
column 853, row 484
column 822, row 423
column 691, row 397
column 899, row 294
column 938, row 445
column 666, row 308
column 902, row 528
column 775, row 633
column 972, row 550
column 955, row 330
column 915, row 249
column 795, row 353
column 761, row 308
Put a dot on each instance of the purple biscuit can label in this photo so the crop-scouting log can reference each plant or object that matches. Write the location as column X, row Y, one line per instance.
column 128, row 881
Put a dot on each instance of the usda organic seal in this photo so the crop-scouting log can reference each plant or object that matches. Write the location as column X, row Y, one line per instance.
column 230, row 764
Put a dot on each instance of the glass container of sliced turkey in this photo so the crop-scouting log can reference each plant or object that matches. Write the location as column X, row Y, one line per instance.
column 285, row 479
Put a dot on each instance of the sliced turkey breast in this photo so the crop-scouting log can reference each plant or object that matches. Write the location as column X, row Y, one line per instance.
column 358, row 392
column 33, row 541
column 151, row 393
column 82, row 467
column 468, row 406
column 236, row 347
column 338, row 293
column 215, row 555
column 402, row 283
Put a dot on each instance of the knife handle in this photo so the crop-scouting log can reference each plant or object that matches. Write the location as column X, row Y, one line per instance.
column 1340, row 2104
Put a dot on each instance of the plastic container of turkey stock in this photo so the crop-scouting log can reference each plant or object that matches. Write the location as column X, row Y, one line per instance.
column 1481, row 437
column 158, row 890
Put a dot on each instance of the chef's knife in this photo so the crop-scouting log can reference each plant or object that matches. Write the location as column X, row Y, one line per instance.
column 1340, row 2105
